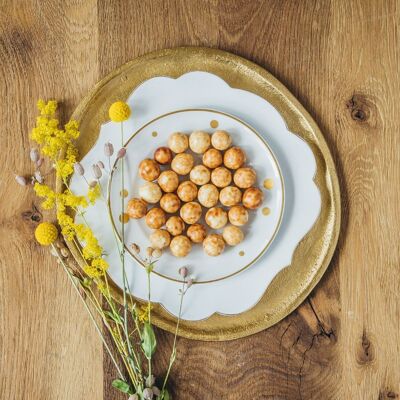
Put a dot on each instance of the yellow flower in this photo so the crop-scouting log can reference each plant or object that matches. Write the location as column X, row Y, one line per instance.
column 46, row 233
column 97, row 268
column 94, row 193
column 143, row 312
column 119, row 111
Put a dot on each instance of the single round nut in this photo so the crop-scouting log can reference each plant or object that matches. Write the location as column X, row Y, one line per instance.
column 213, row 245
column 230, row 196
column 180, row 246
column 136, row 208
column 245, row 177
column 191, row 212
column 150, row 192
column 212, row 158
column 196, row 233
column 221, row 177
column 208, row 195
column 199, row 141
column 216, row 217
column 149, row 170
column 238, row 216
column 200, row 175
column 178, row 142
column 182, row 163
column 170, row 203
column 221, row 140
column 252, row 198
column 155, row 218
column 232, row 235
column 234, row 158
column 175, row 225
column 168, row 181
column 163, row 155
column 160, row 239
column 187, row 191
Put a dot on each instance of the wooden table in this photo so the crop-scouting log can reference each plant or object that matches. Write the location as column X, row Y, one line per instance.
column 341, row 60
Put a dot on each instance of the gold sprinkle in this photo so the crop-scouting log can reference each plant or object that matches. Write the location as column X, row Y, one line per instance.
column 123, row 193
column 154, row 133
column 214, row 123
column 268, row 184
column 241, row 253
column 266, row 211
column 125, row 217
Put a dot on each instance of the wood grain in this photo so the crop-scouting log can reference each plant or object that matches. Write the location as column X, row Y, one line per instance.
column 341, row 60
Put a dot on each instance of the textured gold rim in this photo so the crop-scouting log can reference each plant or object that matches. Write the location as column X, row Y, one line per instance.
column 312, row 256
column 276, row 164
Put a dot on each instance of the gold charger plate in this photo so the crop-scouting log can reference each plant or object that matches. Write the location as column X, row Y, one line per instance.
column 313, row 254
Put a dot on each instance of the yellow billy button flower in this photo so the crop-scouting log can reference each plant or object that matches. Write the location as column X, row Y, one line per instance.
column 46, row 233
column 119, row 111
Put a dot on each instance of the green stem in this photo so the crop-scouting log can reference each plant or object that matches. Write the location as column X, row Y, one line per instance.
column 149, row 308
column 89, row 311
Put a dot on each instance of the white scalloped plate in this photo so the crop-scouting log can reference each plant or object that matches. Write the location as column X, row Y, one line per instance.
column 194, row 90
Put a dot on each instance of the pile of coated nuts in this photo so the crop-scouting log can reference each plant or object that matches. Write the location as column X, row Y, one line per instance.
column 222, row 187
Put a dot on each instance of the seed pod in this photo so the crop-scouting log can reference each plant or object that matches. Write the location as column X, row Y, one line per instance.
column 78, row 168
column 157, row 253
column 53, row 252
column 96, row 171
column 135, row 248
column 34, row 155
column 150, row 380
column 147, row 394
column 93, row 184
column 189, row 283
column 149, row 251
column 38, row 176
column 133, row 397
column 121, row 152
column 64, row 252
column 183, row 271
column 39, row 162
column 108, row 149
column 100, row 164
column 20, row 180
column 156, row 390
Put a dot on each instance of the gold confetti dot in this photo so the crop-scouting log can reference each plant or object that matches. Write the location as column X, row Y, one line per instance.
column 123, row 193
column 214, row 123
column 154, row 133
column 266, row 211
column 268, row 184
column 124, row 217
column 241, row 253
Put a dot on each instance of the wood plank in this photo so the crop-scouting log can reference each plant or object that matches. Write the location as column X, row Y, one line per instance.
column 48, row 347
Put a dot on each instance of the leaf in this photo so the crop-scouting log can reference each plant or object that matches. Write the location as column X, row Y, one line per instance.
column 165, row 395
column 114, row 317
column 149, row 342
column 121, row 386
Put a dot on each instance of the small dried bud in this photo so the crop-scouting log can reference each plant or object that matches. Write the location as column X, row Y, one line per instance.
column 133, row 397
column 100, row 164
column 38, row 176
column 64, row 252
column 156, row 390
column 96, row 171
column 93, row 184
column 183, row 271
column 34, row 155
column 147, row 394
column 39, row 162
column 149, row 251
column 108, row 149
column 78, row 168
column 53, row 252
column 20, row 180
column 135, row 248
column 157, row 253
column 150, row 381
column 189, row 283
column 121, row 152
